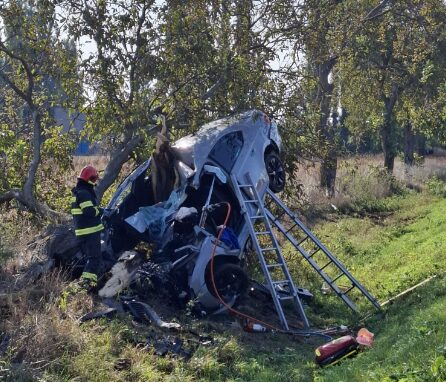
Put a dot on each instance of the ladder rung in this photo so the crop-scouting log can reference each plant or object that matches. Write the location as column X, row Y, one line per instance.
column 317, row 250
column 256, row 217
column 280, row 282
column 326, row 265
column 250, row 201
column 277, row 218
column 337, row 277
column 301, row 241
column 274, row 265
column 285, row 297
column 262, row 233
column 245, row 185
column 288, row 230
column 268, row 249
column 349, row 289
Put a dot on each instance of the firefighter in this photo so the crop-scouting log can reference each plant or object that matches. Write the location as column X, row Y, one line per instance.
column 87, row 224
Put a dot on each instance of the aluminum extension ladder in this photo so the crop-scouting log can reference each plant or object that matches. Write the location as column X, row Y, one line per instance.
column 314, row 252
column 270, row 256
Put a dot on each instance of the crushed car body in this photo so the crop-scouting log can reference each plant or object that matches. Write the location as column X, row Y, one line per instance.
column 180, row 209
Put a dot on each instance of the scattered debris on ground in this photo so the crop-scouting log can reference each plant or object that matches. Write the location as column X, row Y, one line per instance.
column 344, row 347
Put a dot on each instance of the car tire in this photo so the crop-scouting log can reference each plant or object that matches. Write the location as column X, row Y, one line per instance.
column 276, row 171
column 230, row 280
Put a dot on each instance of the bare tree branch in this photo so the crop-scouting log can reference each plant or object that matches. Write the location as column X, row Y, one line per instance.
column 12, row 85
column 33, row 205
column 139, row 46
column 28, row 95
column 114, row 166
column 378, row 11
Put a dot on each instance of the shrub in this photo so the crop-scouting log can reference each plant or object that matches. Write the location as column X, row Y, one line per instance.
column 372, row 182
column 364, row 190
column 436, row 186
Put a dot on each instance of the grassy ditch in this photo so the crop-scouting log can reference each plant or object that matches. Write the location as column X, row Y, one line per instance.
column 388, row 255
column 387, row 252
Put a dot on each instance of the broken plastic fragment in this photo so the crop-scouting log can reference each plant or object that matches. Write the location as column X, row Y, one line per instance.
column 364, row 337
column 145, row 312
column 185, row 171
column 123, row 273
column 184, row 212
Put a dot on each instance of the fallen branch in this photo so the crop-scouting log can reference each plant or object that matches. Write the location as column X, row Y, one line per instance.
column 34, row 206
column 10, row 195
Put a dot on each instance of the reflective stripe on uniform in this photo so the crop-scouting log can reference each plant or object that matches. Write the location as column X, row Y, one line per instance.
column 76, row 211
column 73, row 199
column 97, row 211
column 86, row 204
column 86, row 231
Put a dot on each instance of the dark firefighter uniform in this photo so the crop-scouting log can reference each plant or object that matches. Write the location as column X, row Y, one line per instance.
column 87, row 221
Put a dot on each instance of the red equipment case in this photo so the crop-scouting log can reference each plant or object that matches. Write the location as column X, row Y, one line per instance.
column 336, row 350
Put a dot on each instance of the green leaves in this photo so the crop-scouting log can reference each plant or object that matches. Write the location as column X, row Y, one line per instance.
column 38, row 75
column 303, row 61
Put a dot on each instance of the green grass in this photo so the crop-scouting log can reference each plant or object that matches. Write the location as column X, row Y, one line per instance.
column 387, row 253
column 399, row 251
column 410, row 342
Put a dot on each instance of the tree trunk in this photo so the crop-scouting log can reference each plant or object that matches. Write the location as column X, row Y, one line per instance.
column 387, row 130
column 328, row 168
column 421, row 145
column 388, row 145
column 26, row 195
column 409, row 144
column 28, row 187
column 114, row 166
column 328, row 173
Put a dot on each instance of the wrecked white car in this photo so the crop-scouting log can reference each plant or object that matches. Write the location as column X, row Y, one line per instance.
column 180, row 209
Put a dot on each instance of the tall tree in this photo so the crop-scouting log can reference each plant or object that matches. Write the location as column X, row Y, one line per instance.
column 321, row 55
column 215, row 57
column 31, row 58
column 119, row 71
column 314, row 36
column 383, row 62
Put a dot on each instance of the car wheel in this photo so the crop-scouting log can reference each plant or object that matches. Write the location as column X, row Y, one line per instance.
column 231, row 281
column 276, row 172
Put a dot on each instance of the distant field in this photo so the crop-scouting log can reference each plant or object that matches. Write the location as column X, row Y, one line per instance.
column 308, row 172
column 99, row 161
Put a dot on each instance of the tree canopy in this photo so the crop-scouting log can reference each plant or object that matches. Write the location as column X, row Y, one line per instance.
column 365, row 68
